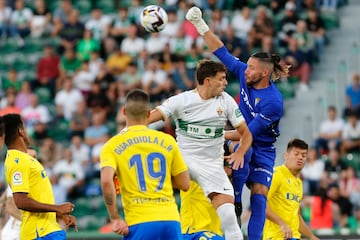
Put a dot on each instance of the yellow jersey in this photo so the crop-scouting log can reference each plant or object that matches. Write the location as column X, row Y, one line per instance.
column 197, row 213
column 284, row 198
column 144, row 161
column 26, row 175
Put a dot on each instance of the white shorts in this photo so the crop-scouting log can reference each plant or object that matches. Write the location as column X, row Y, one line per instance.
column 11, row 230
column 212, row 179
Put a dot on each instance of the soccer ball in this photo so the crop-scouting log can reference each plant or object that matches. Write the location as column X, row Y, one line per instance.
column 153, row 18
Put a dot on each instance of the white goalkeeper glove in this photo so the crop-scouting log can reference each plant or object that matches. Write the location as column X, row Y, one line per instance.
column 194, row 15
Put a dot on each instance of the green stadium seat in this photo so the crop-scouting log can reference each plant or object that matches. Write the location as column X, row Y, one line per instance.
column 32, row 45
column 43, row 94
column 9, row 46
column 107, row 6
column 84, row 6
column 331, row 19
column 233, row 88
column 286, row 89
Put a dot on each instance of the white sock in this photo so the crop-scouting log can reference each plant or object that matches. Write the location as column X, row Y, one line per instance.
column 229, row 223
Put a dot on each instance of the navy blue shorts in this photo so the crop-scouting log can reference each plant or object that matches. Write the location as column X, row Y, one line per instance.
column 203, row 235
column 58, row 235
column 261, row 165
column 155, row 230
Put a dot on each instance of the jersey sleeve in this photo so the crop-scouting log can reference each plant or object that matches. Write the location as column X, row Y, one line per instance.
column 270, row 113
column 169, row 106
column 233, row 112
column 19, row 176
column 275, row 183
column 232, row 63
column 107, row 158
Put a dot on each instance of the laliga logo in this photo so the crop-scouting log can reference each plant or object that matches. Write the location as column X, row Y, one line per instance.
column 17, row 178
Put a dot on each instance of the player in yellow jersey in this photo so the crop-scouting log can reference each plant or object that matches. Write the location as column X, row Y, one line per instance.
column 283, row 216
column 148, row 164
column 199, row 219
column 32, row 191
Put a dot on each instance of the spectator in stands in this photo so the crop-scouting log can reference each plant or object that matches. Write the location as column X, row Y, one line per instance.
column 117, row 62
column 70, row 175
column 155, row 80
column 288, row 24
column 179, row 76
column 349, row 185
column 11, row 80
column 95, row 62
column 120, row 24
column 69, row 64
column 80, row 151
column 353, row 96
column 312, row 172
column 47, row 70
column 296, row 58
column 343, row 203
column 235, row 45
column 41, row 20
column 350, row 135
column 180, row 44
column 5, row 15
column 129, row 80
column 263, row 26
column 155, row 43
column 86, row 46
column 80, row 119
column 97, row 132
column 325, row 213
column 242, row 22
column 10, row 104
column 35, row 113
column 99, row 24
column 316, row 27
column 84, row 78
column 173, row 25
column 95, row 136
column 132, row 44
column 329, row 5
column 20, row 22
column 61, row 15
column 50, row 152
column 218, row 22
column 24, row 95
column 330, row 132
column 67, row 99
column 97, row 100
column 72, row 32
column 334, row 166
column 135, row 9
column 305, row 40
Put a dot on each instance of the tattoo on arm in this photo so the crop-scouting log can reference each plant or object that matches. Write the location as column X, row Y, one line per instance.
column 108, row 200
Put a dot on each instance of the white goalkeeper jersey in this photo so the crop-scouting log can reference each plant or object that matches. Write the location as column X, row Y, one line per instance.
column 200, row 124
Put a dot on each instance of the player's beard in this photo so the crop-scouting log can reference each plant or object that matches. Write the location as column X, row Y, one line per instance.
column 256, row 79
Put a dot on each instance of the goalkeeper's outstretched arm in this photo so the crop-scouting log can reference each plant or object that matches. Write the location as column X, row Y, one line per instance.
column 194, row 15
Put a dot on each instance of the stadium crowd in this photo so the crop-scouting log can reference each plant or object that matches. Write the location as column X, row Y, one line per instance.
column 66, row 67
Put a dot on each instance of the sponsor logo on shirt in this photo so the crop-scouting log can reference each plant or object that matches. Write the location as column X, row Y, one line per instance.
column 219, row 111
column 17, row 178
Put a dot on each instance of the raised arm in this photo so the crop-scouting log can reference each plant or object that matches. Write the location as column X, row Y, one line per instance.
column 194, row 15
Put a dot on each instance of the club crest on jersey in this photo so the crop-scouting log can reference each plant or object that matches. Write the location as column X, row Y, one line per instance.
column 219, row 111
column 17, row 178
column 257, row 100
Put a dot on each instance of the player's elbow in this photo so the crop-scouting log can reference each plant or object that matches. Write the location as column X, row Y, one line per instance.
column 182, row 181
